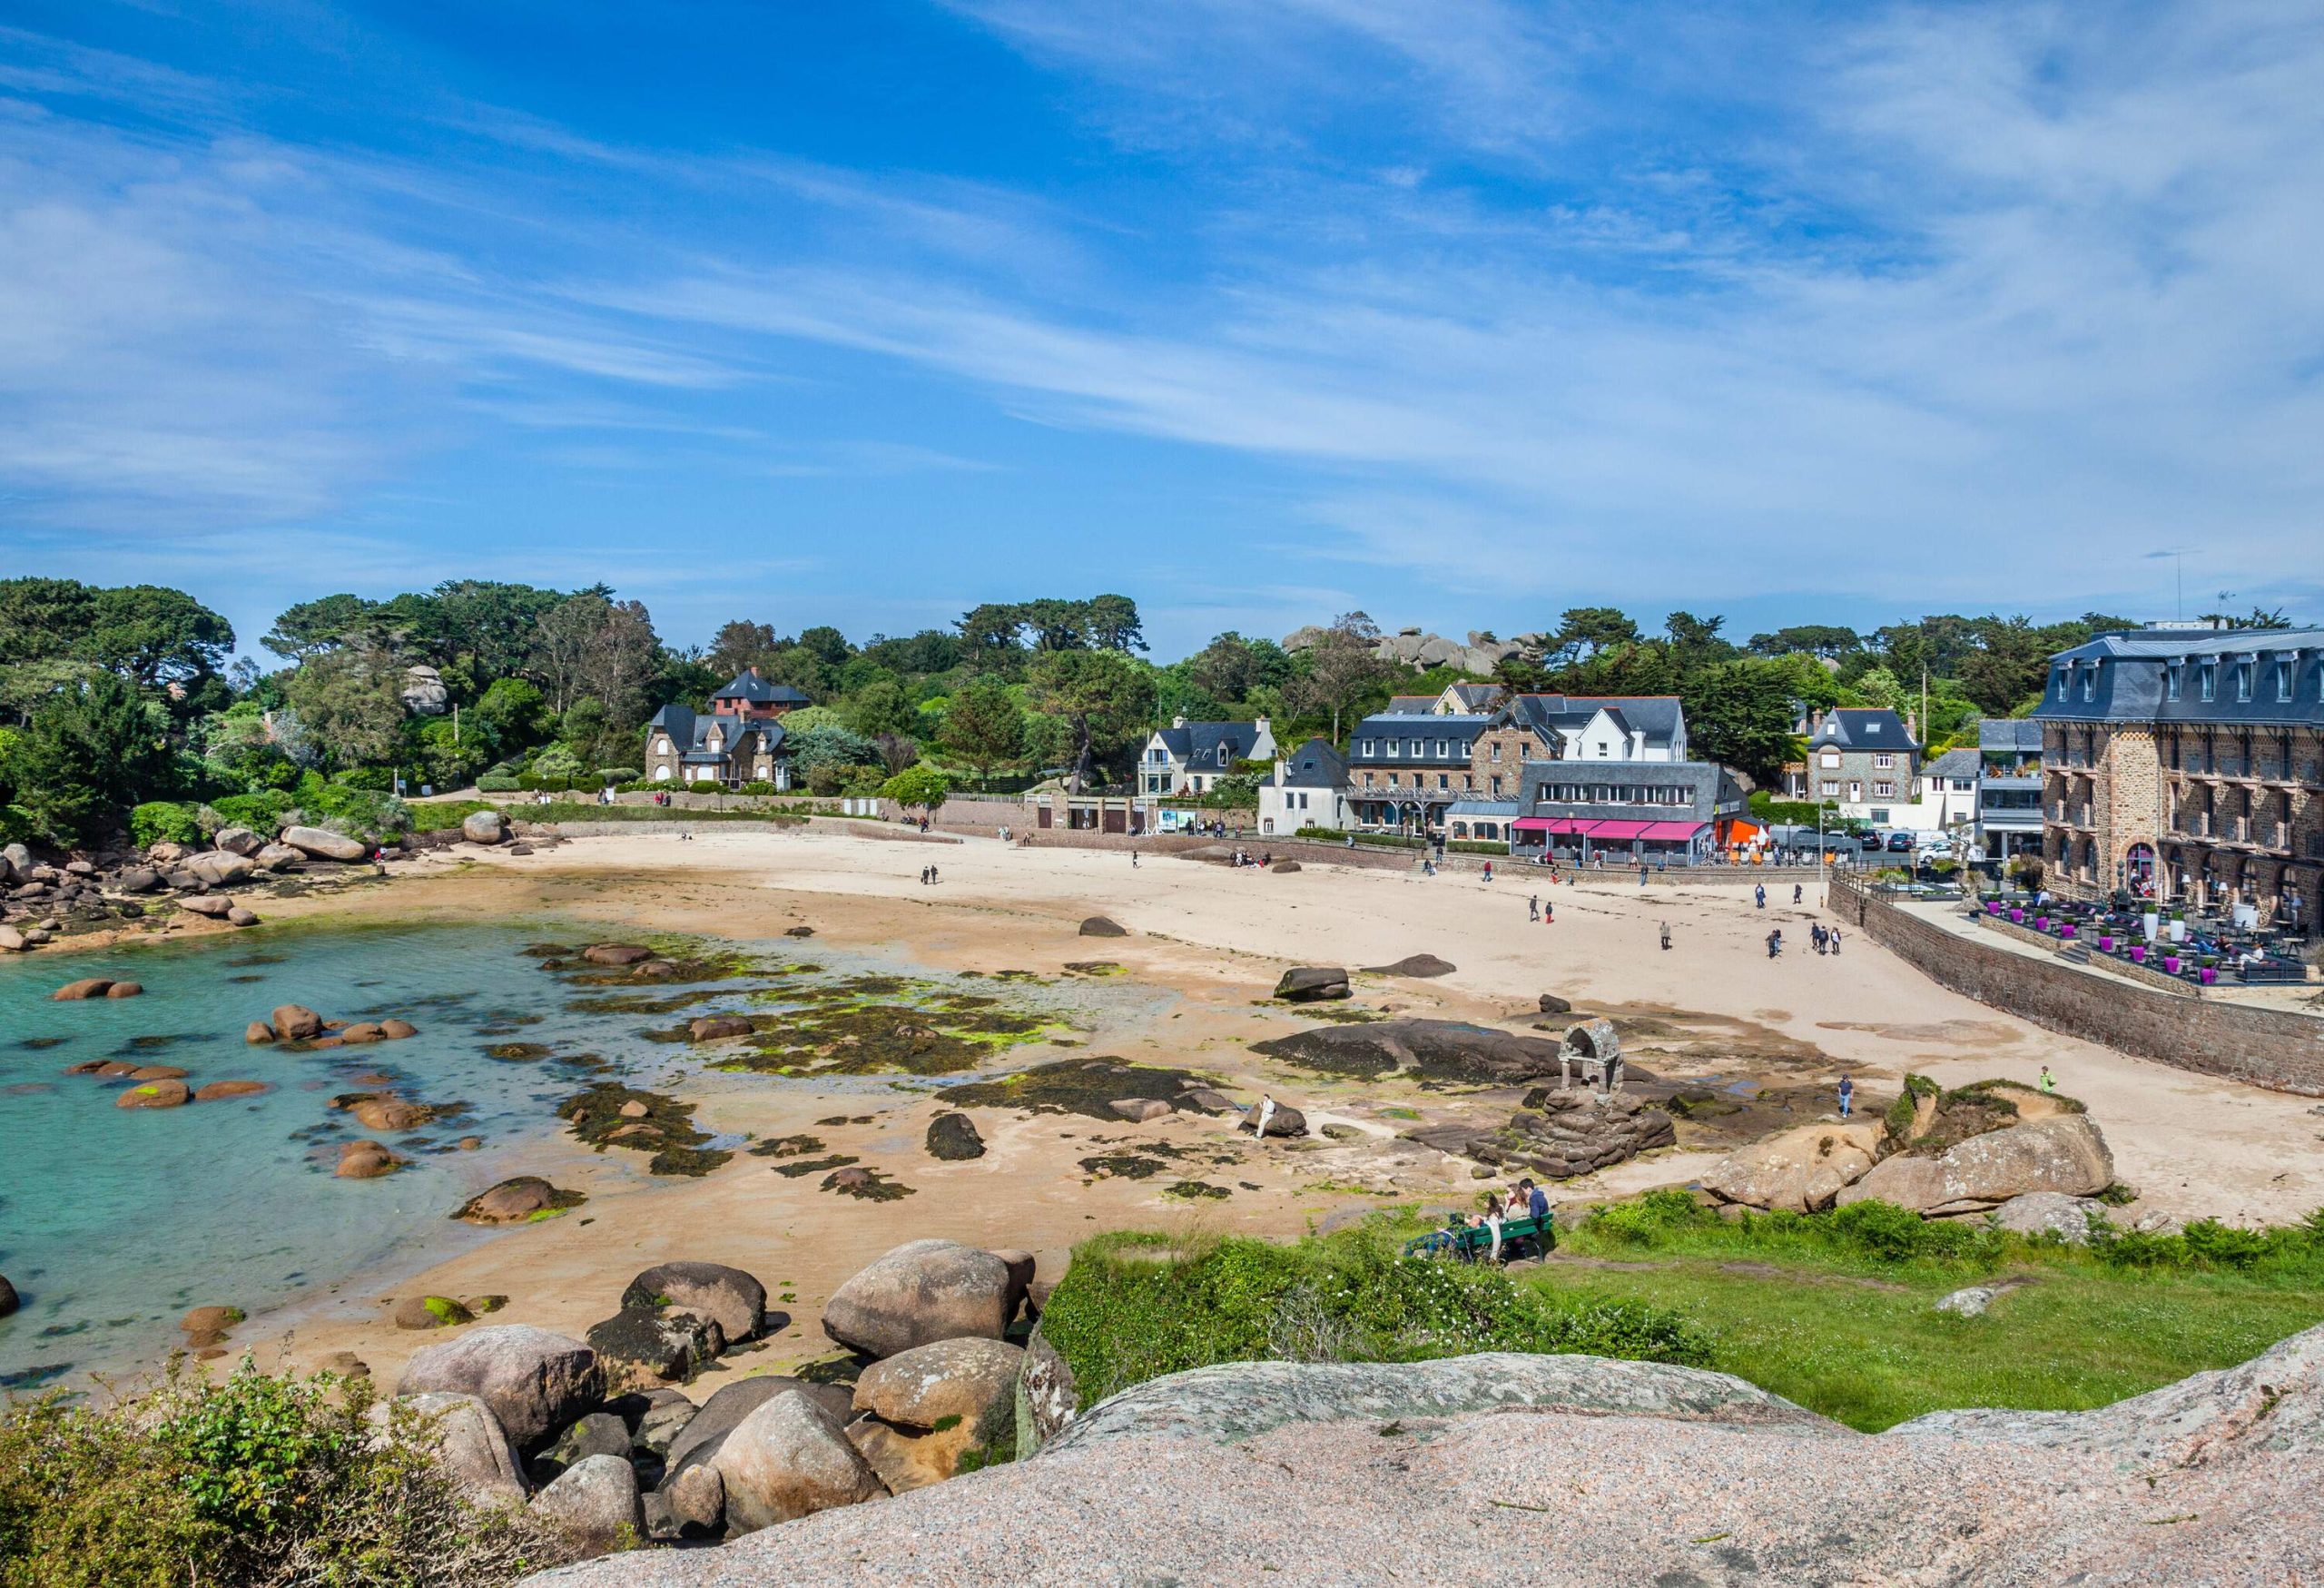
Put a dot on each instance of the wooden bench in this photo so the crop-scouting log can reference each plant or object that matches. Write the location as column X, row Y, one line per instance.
column 1473, row 1242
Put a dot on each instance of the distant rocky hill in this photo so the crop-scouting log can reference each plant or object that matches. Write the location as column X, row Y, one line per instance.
column 1480, row 654
column 1573, row 1470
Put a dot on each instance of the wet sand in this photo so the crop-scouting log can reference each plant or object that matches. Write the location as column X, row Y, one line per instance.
column 1212, row 940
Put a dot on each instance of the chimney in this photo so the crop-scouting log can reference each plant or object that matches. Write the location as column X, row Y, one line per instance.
column 1178, row 721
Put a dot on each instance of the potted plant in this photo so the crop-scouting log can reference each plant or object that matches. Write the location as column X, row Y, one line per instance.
column 2138, row 953
column 2171, row 963
column 2015, row 914
column 2065, row 930
column 2105, row 943
column 2178, row 926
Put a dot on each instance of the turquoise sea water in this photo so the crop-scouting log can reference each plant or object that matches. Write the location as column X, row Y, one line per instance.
column 114, row 1222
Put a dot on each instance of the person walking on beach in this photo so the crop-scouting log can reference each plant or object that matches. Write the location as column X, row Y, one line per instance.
column 1759, row 895
column 1549, row 912
column 1794, row 892
column 1834, row 935
column 1775, row 942
column 1847, row 1096
column 1642, row 874
column 1666, row 937
column 1533, row 907
column 1133, row 860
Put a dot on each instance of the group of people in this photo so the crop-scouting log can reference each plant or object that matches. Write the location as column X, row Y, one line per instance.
column 927, row 876
column 1525, row 1201
column 1540, row 909
column 1242, row 857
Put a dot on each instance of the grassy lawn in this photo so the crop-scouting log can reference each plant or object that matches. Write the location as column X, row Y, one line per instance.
column 1862, row 1344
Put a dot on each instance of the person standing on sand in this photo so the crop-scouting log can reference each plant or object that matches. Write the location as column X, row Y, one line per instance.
column 1794, row 892
column 1847, row 1096
column 1549, row 912
column 1267, row 1117
column 1759, row 895
column 1133, row 860
column 2048, row 1083
column 1533, row 907
column 1775, row 942
column 1834, row 936
column 1666, row 937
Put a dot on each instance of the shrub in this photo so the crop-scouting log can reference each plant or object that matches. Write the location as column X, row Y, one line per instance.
column 261, row 813
column 1646, row 1221
column 618, row 774
column 161, row 821
column 759, row 786
column 1900, row 1112
column 255, row 1481
column 498, row 782
column 369, row 779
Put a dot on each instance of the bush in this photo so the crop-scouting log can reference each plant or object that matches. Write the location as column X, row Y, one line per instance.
column 618, row 774
column 369, row 779
column 439, row 816
column 498, row 782
column 261, row 812
column 256, row 1481
column 1900, row 1112
column 163, row 821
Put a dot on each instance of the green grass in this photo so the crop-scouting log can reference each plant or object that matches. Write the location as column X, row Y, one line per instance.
column 1830, row 1315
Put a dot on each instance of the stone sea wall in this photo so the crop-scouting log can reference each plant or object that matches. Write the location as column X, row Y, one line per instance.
column 2278, row 1049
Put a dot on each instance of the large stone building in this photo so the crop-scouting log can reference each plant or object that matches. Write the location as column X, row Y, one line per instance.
column 2189, row 763
column 739, row 740
column 1410, row 765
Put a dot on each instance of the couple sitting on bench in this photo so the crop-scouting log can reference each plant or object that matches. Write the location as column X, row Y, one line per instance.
column 1513, row 1222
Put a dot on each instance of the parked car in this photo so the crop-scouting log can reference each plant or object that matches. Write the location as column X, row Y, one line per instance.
column 1900, row 844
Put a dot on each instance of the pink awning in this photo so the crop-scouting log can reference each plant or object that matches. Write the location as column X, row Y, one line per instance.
column 1532, row 825
column 1675, row 831
column 1619, row 832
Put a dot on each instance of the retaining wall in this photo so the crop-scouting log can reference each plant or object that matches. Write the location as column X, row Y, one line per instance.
column 2278, row 1048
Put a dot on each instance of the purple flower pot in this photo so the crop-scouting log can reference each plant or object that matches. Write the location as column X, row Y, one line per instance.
column 2138, row 953
column 2171, row 963
column 2017, row 914
column 1993, row 906
column 2207, row 975
column 2106, row 945
column 2041, row 923
column 2066, row 931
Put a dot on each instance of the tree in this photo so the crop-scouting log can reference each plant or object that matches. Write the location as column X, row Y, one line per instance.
column 896, row 751
column 1740, row 714
column 158, row 635
column 827, row 745
column 1815, row 639
column 487, row 628
column 984, row 726
column 882, row 708
column 513, row 713
column 311, row 627
column 826, row 644
column 1110, row 622
column 88, row 757
column 593, row 645
column 739, row 645
column 42, row 619
column 918, row 785
column 1103, row 695
column 1341, row 667
column 1230, row 668
column 347, row 706
column 1583, row 631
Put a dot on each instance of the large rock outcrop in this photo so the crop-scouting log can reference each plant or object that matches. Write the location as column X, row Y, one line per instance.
column 2065, row 1154
column 1574, row 1472
column 1562, row 1134
column 729, row 1297
column 1433, row 1049
column 466, row 1440
column 786, row 1460
column 1798, row 1170
column 922, row 1410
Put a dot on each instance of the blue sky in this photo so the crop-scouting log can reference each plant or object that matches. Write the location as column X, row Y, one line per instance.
column 1461, row 312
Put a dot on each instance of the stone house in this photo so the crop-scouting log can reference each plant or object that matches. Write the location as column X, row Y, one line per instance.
column 2189, row 763
column 739, row 740
column 1409, row 768
column 1862, row 759
column 1627, row 810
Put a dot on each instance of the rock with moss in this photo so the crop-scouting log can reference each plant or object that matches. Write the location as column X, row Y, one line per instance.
column 954, row 1138
column 647, row 1345
column 522, row 1199
column 430, row 1312
column 1312, row 984
column 536, row 1382
column 920, row 1412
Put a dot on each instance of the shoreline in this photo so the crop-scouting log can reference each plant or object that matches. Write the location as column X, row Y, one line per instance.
column 1212, row 940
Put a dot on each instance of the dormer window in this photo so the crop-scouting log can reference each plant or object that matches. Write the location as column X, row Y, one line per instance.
column 2207, row 680
column 2242, row 680
column 2170, row 679
column 2090, row 683
column 2283, row 678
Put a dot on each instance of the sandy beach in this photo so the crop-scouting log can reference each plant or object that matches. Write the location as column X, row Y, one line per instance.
column 1210, row 941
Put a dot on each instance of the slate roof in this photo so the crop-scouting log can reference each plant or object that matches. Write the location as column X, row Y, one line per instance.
column 1507, row 808
column 1430, row 730
column 2128, row 675
column 1710, row 787
column 1315, row 764
column 1479, row 697
column 1210, row 745
column 747, row 685
column 1656, row 716
column 1409, row 706
column 1863, row 727
column 2010, row 736
column 690, row 729
column 1962, row 764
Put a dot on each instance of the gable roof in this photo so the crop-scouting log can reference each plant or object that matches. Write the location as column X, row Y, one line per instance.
column 1961, row 763
column 1658, row 716
column 1209, row 744
column 1476, row 696
column 690, row 730
column 1409, row 706
column 1863, row 727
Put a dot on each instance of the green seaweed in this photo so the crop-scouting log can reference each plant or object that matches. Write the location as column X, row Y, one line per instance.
column 1194, row 1190
column 1077, row 1086
column 811, row 1165
column 869, row 1185
column 786, row 1146
column 669, row 1131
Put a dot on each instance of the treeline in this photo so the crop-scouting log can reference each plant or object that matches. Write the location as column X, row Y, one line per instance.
column 118, row 698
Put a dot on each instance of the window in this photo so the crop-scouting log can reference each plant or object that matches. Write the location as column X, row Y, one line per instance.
column 1368, row 751
column 1830, row 760
column 1831, row 790
column 1602, row 750
column 1878, row 815
column 2207, row 680
column 2242, row 680
column 1419, row 749
column 2090, row 683
column 1496, row 786
column 1464, row 749
column 2170, row 681
column 2283, row 679
column 1493, row 751
column 1367, row 781
column 1884, row 790
column 1443, row 781
column 1882, row 763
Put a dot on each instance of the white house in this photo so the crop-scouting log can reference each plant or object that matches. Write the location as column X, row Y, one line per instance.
column 1308, row 788
column 1189, row 758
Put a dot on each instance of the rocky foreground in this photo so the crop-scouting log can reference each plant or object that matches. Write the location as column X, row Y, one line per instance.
column 1548, row 1470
